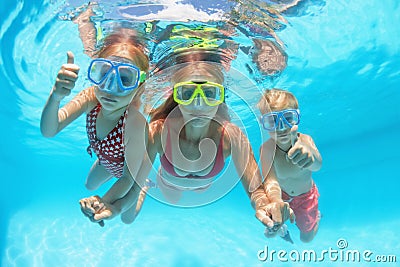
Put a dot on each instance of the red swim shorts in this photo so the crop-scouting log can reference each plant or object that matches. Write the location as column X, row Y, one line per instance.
column 305, row 207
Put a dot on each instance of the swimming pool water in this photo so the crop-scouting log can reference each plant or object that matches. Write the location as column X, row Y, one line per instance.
column 343, row 67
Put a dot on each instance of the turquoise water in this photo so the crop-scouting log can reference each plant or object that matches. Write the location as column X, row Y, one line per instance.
column 343, row 67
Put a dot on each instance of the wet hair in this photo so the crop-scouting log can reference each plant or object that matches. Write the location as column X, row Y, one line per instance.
column 125, row 43
column 270, row 58
column 198, row 68
column 275, row 99
column 219, row 56
column 194, row 68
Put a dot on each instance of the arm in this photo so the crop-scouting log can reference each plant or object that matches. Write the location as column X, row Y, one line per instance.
column 281, row 210
column 303, row 152
column 138, row 165
column 245, row 164
column 130, row 206
column 271, row 184
column 122, row 194
column 53, row 118
column 136, row 143
column 135, row 194
column 247, row 168
column 130, row 213
column 120, row 189
column 317, row 159
column 142, row 143
column 135, row 140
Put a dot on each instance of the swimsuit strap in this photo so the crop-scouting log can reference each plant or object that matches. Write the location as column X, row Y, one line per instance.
column 164, row 160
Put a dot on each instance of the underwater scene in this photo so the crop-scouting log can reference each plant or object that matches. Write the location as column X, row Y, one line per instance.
column 280, row 109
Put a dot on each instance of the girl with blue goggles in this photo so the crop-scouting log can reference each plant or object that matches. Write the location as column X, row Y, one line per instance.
column 103, row 72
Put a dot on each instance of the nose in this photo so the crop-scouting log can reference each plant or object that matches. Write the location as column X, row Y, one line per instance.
column 198, row 101
column 110, row 81
column 281, row 124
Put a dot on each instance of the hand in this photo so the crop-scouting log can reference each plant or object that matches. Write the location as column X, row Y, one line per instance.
column 271, row 232
column 96, row 209
column 274, row 214
column 66, row 78
column 300, row 154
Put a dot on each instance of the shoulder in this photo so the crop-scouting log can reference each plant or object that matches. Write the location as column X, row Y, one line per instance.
column 156, row 126
column 155, row 130
column 234, row 138
column 136, row 126
column 231, row 130
column 134, row 117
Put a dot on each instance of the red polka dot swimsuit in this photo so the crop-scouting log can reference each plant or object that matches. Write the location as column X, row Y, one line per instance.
column 111, row 150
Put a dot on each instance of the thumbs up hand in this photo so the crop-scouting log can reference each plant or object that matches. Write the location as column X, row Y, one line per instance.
column 66, row 78
column 300, row 153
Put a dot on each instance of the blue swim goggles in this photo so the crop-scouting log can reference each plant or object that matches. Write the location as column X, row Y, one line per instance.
column 277, row 120
column 103, row 72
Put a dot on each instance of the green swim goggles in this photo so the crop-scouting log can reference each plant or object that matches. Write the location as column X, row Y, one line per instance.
column 212, row 94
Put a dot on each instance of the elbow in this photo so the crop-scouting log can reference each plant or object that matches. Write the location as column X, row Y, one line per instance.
column 316, row 166
column 46, row 132
column 48, row 135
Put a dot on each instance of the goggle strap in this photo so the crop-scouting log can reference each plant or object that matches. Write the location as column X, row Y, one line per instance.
column 143, row 76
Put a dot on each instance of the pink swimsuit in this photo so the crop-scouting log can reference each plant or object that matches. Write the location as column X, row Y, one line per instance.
column 217, row 168
column 110, row 150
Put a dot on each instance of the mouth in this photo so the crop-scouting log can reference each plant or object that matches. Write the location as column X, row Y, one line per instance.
column 199, row 115
column 106, row 99
column 282, row 134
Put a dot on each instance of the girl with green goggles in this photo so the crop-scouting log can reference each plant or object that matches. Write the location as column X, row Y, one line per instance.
column 212, row 93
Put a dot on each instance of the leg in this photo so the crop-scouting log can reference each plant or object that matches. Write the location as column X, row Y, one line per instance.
column 87, row 30
column 97, row 176
column 307, row 214
column 307, row 237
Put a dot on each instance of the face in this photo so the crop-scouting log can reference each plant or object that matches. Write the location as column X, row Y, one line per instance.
column 103, row 91
column 285, row 115
column 112, row 102
column 198, row 113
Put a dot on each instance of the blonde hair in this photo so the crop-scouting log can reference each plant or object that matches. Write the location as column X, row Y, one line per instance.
column 275, row 99
column 125, row 43
column 198, row 68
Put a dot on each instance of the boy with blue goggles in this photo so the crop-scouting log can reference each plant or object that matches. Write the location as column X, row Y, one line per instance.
column 288, row 159
column 103, row 72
